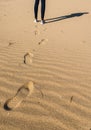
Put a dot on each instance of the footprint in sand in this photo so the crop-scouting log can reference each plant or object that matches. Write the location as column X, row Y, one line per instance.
column 71, row 99
column 10, row 43
column 28, row 58
column 43, row 41
column 22, row 93
column 36, row 32
column 44, row 29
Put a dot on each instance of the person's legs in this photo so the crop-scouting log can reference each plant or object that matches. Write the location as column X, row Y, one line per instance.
column 36, row 8
column 42, row 9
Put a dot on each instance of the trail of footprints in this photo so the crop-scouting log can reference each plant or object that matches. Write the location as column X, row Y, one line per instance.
column 28, row 56
column 27, row 89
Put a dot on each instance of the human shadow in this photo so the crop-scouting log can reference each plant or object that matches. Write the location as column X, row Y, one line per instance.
column 65, row 17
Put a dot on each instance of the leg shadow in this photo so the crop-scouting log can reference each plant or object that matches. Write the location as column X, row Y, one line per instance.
column 56, row 19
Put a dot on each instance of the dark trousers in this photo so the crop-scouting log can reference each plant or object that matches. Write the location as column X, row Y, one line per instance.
column 42, row 8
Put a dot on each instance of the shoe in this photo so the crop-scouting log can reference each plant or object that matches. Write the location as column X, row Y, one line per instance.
column 35, row 21
column 42, row 22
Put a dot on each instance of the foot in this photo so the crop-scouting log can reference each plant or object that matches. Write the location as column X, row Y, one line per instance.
column 35, row 21
column 42, row 22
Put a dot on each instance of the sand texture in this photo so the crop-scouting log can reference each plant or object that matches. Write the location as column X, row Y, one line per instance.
column 45, row 70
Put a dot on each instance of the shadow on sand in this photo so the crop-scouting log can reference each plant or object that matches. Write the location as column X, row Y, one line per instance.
column 65, row 17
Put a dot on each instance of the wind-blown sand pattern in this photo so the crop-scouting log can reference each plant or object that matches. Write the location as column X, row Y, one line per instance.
column 57, row 59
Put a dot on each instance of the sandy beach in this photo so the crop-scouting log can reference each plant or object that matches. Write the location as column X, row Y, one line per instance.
column 45, row 70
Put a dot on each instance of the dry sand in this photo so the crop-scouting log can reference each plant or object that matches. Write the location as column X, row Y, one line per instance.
column 56, row 57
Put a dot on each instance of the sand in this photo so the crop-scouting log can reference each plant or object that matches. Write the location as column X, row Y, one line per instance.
column 54, row 57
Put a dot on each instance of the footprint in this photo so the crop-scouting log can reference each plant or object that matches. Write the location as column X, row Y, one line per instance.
column 36, row 32
column 10, row 43
column 43, row 41
column 44, row 29
column 28, row 58
column 71, row 99
column 23, row 92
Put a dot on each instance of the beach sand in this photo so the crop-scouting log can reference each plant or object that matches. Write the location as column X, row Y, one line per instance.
column 45, row 70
